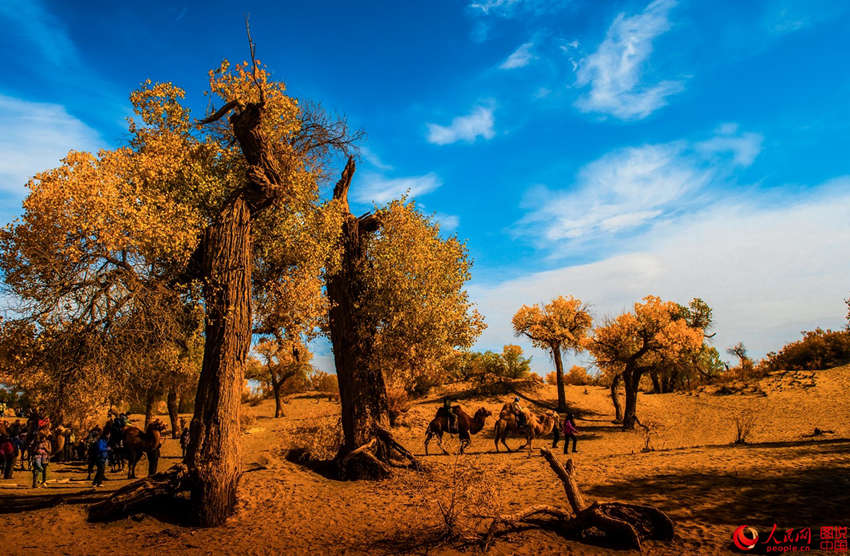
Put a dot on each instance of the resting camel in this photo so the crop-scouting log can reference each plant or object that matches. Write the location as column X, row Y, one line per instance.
column 137, row 443
column 466, row 425
column 534, row 427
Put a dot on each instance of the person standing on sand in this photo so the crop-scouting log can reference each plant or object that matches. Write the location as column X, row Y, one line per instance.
column 569, row 429
column 40, row 459
column 7, row 456
column 100, row 455
column 447, row 405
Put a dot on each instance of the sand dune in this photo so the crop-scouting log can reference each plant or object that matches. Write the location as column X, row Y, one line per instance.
column 693, row 472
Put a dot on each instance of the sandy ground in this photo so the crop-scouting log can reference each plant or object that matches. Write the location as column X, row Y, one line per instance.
column 693, row 472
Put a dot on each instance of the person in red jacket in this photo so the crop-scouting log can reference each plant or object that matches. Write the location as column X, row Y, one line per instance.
column 7, row 456
column 569, row 429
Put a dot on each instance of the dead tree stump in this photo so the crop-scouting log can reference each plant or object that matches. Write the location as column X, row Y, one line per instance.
column 621, row 523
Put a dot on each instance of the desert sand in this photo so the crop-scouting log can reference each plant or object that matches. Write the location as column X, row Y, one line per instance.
column 692, row 471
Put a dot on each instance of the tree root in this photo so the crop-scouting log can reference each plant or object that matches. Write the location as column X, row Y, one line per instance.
column 140, row 494
column 621, row 523
column 373, row 460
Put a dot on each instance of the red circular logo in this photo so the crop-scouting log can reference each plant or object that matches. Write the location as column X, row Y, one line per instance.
column 744, row 541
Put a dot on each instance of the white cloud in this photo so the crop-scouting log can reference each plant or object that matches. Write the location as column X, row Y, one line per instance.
column 378, row 189
column 373, row 159
column 479, row 123
column 634, row 186
column 519, row 58
column 448, row 222
column 745, row 147
column 613, row 72
column 35, row 137
column 768, row 270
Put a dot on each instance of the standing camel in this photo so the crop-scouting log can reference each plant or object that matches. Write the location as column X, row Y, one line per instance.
column 466, row 425
column 533, row 427
column 137, row 443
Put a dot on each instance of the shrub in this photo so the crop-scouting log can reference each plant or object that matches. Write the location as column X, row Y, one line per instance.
column 818, row 349
column 745, row 422
column 397, row 402
column 577, row 375
column 321, row 381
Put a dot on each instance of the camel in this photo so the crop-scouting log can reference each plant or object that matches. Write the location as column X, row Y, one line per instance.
column 137, row 443
column 534, row 427
column 57, row 440
column 466, row 425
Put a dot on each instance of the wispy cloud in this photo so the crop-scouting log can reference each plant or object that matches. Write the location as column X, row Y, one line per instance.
column 373, row 159
column 613, row 72
column 35, row 137
column 769, row 270
column 478, row 123
column 379, row 189
column 519, row 58
column 448, row 222
column 485, row 11
column 630, row 187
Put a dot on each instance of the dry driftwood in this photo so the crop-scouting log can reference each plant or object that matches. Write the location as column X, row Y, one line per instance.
column 140, row 494
column 626, row 524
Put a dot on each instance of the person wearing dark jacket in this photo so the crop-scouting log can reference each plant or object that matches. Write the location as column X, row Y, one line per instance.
column 100, row 454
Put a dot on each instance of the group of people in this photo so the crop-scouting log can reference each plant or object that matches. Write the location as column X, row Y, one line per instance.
column 36, row 442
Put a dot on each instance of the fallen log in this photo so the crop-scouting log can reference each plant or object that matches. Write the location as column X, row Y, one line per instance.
column 140, row 494
column 620, row 523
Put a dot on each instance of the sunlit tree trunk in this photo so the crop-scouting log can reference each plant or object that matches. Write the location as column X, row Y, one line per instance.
column 362, row 391
column 213, row 454
column 171, row 402
column 615, row 399
column 559, row 375
column 631, row 380
column 278, row 406
column 150, row 400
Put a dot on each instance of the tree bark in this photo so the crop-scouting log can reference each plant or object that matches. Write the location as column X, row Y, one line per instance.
column 656, row 382
column 171, row 402
column 150, row 399
column 559, row 375
column 615, row 399
column 278, row 407
column 213, row 455
column 362, row 392
column 631, row 380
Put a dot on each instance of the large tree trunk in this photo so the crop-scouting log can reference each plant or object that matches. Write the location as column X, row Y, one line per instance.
column 150, row 400
column 615, row 399
column 278, row 407
column 171, row 402
column 213, row 455
column 559, row 375
column 656, row 382
column 362, row 392
column 631, row 380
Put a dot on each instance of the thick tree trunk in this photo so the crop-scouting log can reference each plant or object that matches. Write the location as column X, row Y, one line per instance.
column 631, row 380
column 171, row 402
column 278, row 407
column 615, row 398
column 150, row 400
column 559, row 375
column 656, row 382
column 367, row 444
column 213, row 455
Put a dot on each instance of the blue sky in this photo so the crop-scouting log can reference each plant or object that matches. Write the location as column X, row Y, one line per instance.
column 606, row 150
